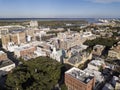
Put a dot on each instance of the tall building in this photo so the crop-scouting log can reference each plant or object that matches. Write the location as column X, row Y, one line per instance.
column 76, row 79
column 21, row 37
column 14, row 38
column 66, row 40
column 30, row 35
column 5, row 40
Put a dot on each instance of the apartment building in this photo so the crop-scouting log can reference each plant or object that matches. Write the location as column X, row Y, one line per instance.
column 76, row 79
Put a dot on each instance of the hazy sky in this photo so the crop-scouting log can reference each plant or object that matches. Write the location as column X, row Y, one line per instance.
column 59, row 8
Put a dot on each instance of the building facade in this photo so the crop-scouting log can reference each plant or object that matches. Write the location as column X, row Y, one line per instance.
column 3, row 56
column 76, row 79
column 114, row 52
column 26, row 51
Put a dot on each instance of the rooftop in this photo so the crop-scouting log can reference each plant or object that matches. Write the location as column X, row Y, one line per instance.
column 80, row 75
column 98, row 75
column 97, row 62
column 24, row 47
column 75, row 58
column 79, row 48
column 5, row 63
column 98, row 46
column 1, row 52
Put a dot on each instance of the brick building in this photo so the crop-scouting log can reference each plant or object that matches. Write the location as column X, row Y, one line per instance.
column 76, row 79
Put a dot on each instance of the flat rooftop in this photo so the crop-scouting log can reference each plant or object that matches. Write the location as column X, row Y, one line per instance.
column 5, row 63
column 97, row 62
column 80, row 75
column 98, row 46
column 80, row 47
column 75, row 58
column 24, row 47
column 1, row 52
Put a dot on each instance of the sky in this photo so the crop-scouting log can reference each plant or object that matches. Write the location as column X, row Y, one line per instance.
column 59, row 8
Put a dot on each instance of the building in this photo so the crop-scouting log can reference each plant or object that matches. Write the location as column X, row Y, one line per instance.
column 99, row 78
column 3, row 56
column 98, row 49
column 87, row 34
column 43, row 49
column 25, row 51
column 76, row 79
column 40, row 52
column 21, row 37
column 75, row 59
column 66, row 40
column 33, row 24
column 114, row 84
column 6, row 66
column 114, row 52
column 96, row 64
column 108, row 86
column 117, row 86
column 44, row 29
column 14, row 38
column 58, row 55
column 30, row 35
column 3, row 31
column 5, row 40
column 78, row 48
column 18, row 37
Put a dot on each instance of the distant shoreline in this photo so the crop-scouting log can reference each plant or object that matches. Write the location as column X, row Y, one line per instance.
column 90, row 20
column 50, row 19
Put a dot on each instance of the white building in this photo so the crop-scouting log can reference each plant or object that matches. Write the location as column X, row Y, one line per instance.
column 33, row 23
column 11, row 46
column 40, row 52
column 98, row 75
column 95, row 64
column 26, row 50
column 79, row 48
column 87, row 34
column 57, row 55
column 44, row 29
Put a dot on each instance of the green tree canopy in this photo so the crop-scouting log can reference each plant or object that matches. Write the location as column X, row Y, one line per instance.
column 38, row 74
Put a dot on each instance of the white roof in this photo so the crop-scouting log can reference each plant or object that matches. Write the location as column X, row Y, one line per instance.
column 1, row 52
column 97, row 62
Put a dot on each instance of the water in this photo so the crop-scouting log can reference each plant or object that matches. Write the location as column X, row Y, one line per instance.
column 90, row 20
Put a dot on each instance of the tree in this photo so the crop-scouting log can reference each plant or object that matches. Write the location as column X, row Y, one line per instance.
column 37, row 74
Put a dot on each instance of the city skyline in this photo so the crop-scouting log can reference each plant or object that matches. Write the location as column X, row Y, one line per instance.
column 59, row 8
